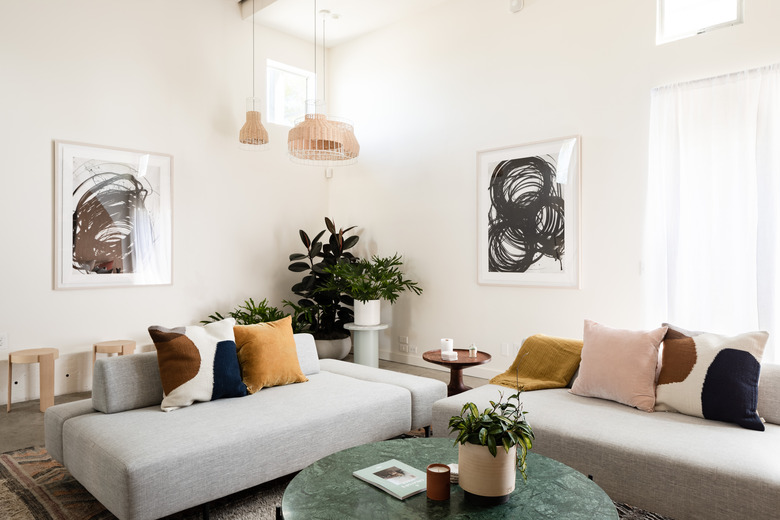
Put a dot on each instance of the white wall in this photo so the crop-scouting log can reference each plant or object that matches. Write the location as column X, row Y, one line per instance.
column 168, row 77
column 428, row 93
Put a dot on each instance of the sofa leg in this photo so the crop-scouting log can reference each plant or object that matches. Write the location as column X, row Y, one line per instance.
column 427, row 431
column 279, row 515
column 205, row 509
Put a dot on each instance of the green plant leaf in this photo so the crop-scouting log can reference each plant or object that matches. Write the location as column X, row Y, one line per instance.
column 304, row 238
column 299, row 267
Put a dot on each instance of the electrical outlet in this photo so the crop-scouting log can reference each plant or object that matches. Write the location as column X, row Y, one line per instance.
column 412, row 349
column 506, row 349
column 4, row 341
column 403, row 339
column 404, row 347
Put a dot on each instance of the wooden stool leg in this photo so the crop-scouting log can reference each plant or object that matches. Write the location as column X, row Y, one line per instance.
column 47, row 381
column 94, row 354
column 8, row 406
column 127, row 350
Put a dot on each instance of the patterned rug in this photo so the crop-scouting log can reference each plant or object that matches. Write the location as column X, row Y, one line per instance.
column 35, row 487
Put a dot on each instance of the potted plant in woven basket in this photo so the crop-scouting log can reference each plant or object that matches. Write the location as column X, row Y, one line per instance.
column 492, row 446
column 369, row 281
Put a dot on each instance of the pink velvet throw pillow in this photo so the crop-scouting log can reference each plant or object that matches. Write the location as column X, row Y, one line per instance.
column 619, row 365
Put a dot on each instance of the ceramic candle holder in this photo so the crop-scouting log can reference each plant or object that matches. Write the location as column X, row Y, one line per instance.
column 438, row 482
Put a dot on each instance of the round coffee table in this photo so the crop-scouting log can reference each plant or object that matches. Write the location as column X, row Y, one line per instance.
column 456, row 367
column 327, row 489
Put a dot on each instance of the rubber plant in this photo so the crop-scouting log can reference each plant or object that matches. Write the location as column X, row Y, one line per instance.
column 501, row 425
column 322, row 311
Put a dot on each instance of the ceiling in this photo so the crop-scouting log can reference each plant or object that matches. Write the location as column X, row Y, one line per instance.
column 355, row 17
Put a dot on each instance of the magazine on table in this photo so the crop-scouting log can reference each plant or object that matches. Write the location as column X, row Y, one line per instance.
column 394, row 477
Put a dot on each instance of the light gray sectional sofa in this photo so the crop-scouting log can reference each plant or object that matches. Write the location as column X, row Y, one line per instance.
column 672, row 464
column 143, row 463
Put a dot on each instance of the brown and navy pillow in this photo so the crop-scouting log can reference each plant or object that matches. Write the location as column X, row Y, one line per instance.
column 197, row 363
column 711, row 376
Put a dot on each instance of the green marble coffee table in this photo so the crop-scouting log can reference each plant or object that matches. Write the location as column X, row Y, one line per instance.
column 327, row 489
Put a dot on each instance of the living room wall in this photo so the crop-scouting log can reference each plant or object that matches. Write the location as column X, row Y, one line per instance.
column 169, row 77
column 427, row 94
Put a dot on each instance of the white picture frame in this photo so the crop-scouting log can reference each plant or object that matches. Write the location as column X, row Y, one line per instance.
column 113, row 217
column 528, row 214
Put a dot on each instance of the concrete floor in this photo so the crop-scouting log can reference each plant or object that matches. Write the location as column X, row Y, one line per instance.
column 23, row 426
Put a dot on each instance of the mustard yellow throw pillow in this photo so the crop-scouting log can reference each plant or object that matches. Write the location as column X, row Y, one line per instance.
column 542, row 362
column 267, row 355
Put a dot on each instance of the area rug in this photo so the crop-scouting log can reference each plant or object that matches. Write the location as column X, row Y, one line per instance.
column 35, row 487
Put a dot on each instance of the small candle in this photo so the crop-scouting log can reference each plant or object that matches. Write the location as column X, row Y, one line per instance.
column 446, row 345
column 473, row 351
column 438, row 482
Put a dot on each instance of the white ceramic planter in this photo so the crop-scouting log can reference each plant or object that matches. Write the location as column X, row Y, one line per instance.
column 333, row 348
column 488, row 479
column 367, row 313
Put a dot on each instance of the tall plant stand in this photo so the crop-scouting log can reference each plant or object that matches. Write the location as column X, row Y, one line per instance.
column 365, row 340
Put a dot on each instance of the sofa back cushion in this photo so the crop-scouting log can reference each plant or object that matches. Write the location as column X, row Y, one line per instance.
column 126, row 382
column 769, row 393
column 123, row 383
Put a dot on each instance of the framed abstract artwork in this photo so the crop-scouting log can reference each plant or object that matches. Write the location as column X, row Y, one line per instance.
column 528, row 222
column 113, row 217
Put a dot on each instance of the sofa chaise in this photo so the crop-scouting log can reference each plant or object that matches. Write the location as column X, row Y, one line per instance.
column 676, row 465
column 143, row 463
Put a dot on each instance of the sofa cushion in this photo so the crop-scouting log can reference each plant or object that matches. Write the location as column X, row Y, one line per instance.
column 122, row 383
column 267, row 354
column 672, row 464
column 197, row 363
column 712, row 376
column 619, row 365
column 143, row 464
column 542, row 362
column 424, row 390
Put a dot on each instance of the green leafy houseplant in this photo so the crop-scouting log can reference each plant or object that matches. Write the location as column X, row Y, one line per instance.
column 323, row 311
column 377, row 279
column 503, row 424
column 250, row 313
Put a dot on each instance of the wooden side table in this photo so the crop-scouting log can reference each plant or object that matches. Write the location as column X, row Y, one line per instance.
column 44, row 357
column 456, row 385
column 123, row 347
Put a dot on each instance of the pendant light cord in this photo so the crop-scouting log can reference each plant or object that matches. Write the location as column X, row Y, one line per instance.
column 253, row 52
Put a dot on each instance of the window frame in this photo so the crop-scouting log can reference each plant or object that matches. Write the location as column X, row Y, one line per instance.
column 661, row 37
column 311, row 88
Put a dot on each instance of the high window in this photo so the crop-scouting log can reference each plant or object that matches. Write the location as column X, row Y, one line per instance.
column 288, row 89
column 677, row 19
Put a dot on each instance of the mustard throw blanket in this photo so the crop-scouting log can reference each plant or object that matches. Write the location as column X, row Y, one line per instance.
column 542, row 362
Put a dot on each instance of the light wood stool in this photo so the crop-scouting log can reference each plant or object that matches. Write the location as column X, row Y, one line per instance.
column 122, row 347
column 43, row 356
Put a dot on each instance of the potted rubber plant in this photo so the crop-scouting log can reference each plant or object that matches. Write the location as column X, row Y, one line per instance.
column 321, row 311
column 491, row 446
column 369, row 281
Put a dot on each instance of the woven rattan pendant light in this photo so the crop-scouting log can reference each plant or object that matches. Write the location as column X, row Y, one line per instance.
column 253, row 135
column 319, row 140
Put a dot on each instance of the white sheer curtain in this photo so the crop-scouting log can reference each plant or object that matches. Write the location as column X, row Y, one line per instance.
column 712, row 251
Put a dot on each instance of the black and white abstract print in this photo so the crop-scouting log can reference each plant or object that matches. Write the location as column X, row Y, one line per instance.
column 526, row 229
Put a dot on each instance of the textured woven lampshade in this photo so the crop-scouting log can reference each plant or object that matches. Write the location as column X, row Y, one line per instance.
column 321, row 141
column 253, row 135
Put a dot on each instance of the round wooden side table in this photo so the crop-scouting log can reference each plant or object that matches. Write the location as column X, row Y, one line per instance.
column 123, row 347
column 45, row 358
column 456, row 366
